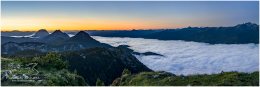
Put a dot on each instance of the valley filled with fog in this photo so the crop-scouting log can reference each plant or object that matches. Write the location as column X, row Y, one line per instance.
column 182, row 57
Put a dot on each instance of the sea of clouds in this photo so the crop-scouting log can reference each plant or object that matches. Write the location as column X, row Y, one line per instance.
column 186, row 58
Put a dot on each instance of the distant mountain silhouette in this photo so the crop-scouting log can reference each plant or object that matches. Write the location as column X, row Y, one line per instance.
column 55, row 42
column 5, row 39
column 82, row 37
column 16, row 33
column 83, row 40
column 24, row 38
column 41, row 33
column 247, row 25
column 55, row 37
column 239, row 34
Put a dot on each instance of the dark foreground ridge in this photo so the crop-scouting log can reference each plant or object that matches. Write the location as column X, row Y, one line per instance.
column 105, row 64
column 82, row 67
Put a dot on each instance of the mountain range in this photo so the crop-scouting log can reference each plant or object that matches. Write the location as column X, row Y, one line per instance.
column 54, row 42
column 87, row 57
column 101, row 64
column 239, row 34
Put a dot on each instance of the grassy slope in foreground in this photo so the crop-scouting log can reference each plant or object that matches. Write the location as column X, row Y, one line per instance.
column 168, row 79
column 51, row 70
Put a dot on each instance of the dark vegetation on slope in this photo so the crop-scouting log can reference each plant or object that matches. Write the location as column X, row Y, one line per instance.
column 103, row 64
column 168, row 79
column 52, row 70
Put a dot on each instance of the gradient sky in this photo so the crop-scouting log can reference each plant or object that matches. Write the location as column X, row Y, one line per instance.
column 90, row 15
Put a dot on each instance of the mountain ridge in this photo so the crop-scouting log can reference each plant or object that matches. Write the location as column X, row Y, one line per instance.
column 55, row 37
column 54, row 43
column 239, row 34
column 81, row 36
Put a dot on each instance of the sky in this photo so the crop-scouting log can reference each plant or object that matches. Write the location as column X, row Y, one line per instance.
column 124, row 15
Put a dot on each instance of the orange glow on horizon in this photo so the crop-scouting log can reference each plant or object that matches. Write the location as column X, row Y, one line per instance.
column 67, row 24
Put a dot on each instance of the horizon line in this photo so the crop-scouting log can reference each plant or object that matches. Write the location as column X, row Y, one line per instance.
column 122, row 29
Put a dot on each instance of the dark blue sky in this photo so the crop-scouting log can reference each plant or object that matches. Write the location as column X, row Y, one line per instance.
column 69, row 15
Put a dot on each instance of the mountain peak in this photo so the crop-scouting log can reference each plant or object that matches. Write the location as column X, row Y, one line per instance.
column 41, row 33
column 82, row 34
column 42, row 30
column 82, row 37
column 56, row 36
column 57, row 31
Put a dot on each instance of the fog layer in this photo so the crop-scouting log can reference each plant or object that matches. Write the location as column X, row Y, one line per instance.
column 181, row 57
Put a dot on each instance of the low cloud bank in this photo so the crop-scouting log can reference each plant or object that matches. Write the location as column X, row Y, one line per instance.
column 181, row 57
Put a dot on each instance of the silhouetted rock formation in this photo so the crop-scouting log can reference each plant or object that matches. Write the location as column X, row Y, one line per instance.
column 41, row 33
column 55, row 37
column 55, row 42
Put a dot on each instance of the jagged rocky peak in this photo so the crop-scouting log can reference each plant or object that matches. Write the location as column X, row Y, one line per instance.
column 41, row 33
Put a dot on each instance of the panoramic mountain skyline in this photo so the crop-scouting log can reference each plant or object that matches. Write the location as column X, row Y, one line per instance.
column 31, row 16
